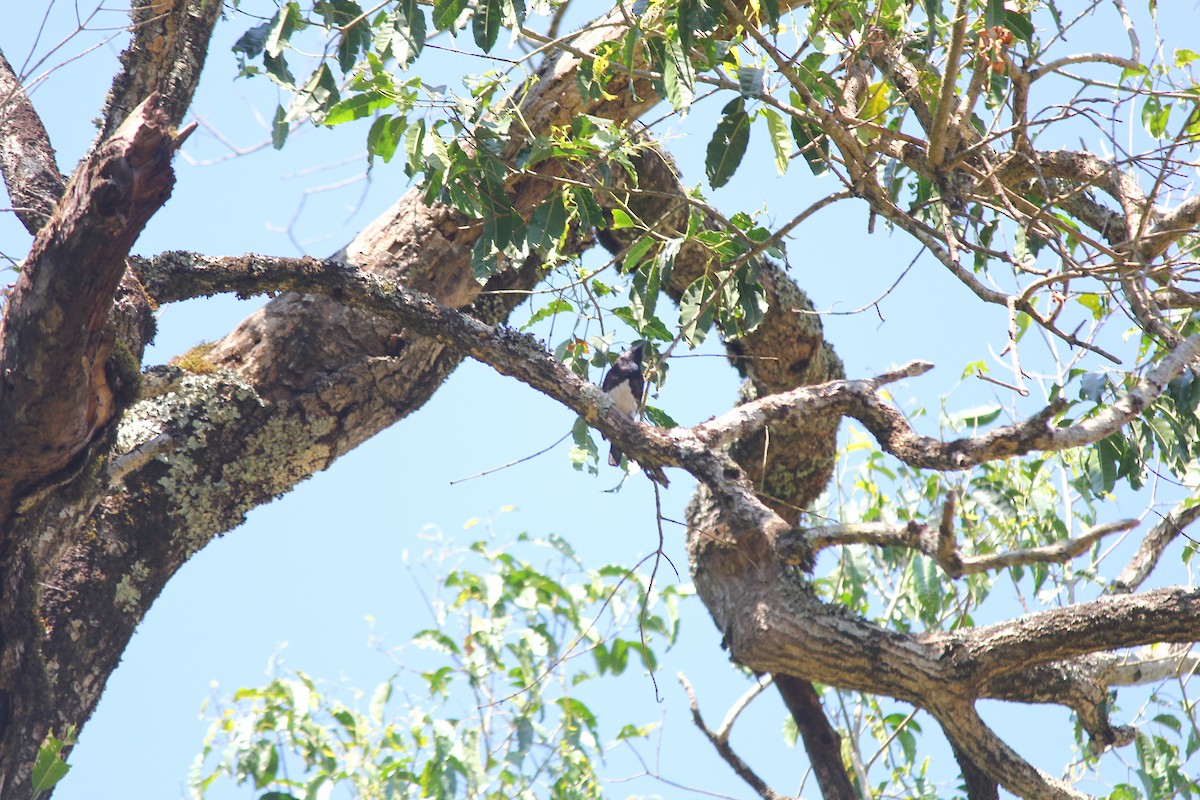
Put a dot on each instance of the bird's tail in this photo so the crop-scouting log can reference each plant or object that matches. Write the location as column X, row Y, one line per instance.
column 614, row 456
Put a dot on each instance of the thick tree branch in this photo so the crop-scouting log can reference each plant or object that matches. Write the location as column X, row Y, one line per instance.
column 169, row 47
column 58, row 388
column 26, row 158
column 1112, row 622
column 987, row 757
column 178, row 275
column 979, row 785
column 1179, row 221
column 72, row 338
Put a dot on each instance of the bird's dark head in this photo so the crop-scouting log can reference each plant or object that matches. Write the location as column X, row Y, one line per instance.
column 637, row 351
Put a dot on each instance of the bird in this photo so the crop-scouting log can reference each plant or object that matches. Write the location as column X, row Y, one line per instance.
column 624, row 383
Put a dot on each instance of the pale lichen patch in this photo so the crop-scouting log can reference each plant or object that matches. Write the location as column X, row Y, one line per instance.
column 128, row 596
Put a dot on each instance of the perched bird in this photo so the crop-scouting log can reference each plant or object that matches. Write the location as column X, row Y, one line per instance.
column 624, row 384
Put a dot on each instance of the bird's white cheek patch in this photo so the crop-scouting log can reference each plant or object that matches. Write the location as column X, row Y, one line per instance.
column 624, row 400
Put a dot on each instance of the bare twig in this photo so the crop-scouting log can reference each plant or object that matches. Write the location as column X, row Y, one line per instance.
column 720, row 742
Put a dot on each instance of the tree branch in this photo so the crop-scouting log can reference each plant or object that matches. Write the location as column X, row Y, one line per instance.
column 988, row 755
column 941, row 113
column 720, row 742
column 821, row 740
column 1179, row 221
column 174, row 276
column 1112, row 622
column 979, row 785
column 26, row 157
column 1153, row 544
column 169, row 47
column 802, row 544
column 58, row 390
column 1080, row 684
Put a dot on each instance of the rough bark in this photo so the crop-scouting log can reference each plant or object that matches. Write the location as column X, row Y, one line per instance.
column 98, row 519
column 26, row 156
column 57, row 316
column 71, row 342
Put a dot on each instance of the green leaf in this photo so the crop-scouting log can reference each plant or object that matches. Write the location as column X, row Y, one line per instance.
column 695, row 312
column 812, row 143
column 993, row 13
column 589, row 211
column 1020, row 24
column 660, row 418
column 678, row 78
column 285, row 22
column 728, row 144
column 49, row 767
column 447, row 12
column 279, row 128
column 277, row 71
column 644, row 291
column 1021, row 251
column 484, row 261
column 781, row 138
column 514, row 12
column 1183, row 56
column 548, row 224
column 696, row 16
column 621, row 220
column 750, row 81
column 356, row 35
column 637, row 251
column 791, row 732
column 555, row 306
column 584, row 453
column 414, row 146
column 1155, row 115
column 384, row 136
column 665, row 261
column 317, row 96
column 408, row 20
column 485, row 25
column 357, row 107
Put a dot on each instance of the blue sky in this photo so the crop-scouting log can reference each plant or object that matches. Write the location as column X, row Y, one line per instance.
column 297, row 581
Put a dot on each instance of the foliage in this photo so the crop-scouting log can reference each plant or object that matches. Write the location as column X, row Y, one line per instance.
column 503, row 706
column 918, row 111
column 50, row 768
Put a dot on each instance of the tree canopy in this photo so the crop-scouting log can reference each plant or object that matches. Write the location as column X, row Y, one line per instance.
column 885, row 576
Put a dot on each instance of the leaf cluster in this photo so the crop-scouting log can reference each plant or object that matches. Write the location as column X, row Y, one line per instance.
column 506, row 711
